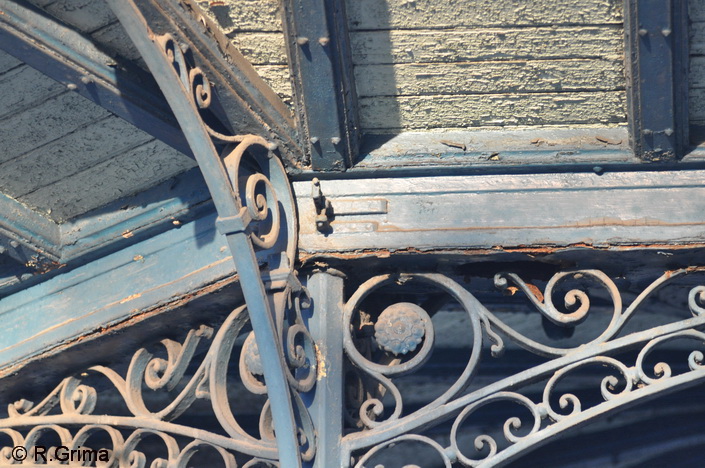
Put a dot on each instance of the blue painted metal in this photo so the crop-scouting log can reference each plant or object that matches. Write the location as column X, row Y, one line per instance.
column 228, row 205
column 657, row 62
column 326, row 403
column 321, row 64
column 72, row 59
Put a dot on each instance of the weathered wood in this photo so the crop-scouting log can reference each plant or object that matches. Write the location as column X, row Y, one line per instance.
column 487, row 44
column 71, row 58
column 244, row 15
column 261, row 48
column 115, row 41
column 85, row 15
column 697, row 72
column 68, row 155
column 696, row 10
column 278, row 77
column 112, row 289
column 490, row 77
column 423, row 112
column 513, row 210
column 421, row 14
column 39, row 125
column 696, row 106
column 118, row 177
column 8, row 62
column 697, row 39
column 24, row 87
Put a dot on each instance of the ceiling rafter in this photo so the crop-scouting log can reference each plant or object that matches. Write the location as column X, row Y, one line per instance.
column 69, row 57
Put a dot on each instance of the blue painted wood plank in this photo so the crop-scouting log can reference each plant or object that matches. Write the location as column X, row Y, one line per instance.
column 112, row 289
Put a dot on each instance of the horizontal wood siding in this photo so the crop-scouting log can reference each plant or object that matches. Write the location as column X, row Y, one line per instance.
column 464, row 63
column 255, row 28
column 473, row 110
column 696, row 105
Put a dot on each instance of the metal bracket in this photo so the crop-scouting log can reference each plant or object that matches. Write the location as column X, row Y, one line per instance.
column 323, row 207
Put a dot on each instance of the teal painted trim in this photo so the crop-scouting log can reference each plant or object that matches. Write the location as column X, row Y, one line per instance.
column 463, row 213
column 104, row 230
column 29, row 227
column 112, row 289
column 165, row 206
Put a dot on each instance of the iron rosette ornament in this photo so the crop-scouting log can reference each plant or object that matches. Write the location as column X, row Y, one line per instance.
column 397, row 339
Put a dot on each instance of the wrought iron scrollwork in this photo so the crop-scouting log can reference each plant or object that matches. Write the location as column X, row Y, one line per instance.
column 403, row 338
column 257, row 214
column 69, row 411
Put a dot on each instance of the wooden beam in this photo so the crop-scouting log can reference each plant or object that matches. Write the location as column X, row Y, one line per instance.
column 70, row 58
column 657, row 85
column 320, row 60
column 503, row 213
column 113, row 289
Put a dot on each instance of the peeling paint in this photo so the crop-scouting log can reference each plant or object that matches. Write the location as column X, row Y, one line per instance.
column 321, row 371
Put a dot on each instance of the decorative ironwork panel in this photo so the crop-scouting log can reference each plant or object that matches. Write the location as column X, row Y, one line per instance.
column 386, row 339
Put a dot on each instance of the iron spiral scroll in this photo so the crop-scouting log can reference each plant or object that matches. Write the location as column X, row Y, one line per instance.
column 623, row 364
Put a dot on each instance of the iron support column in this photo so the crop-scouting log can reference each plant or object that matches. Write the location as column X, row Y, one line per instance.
column 325, row 402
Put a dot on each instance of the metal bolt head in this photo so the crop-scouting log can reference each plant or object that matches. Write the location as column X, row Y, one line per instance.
column 313, row 140
column 335, row 140
column 86, row 80
column 302, row 41
column 647, row 131
column 72, row 87
column 643, row 32
column 668, row 132
column 666, row 32
column 14, row 244
column 324, row 41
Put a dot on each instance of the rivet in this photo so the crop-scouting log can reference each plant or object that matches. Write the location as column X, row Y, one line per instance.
column 86, row 80
column 271, row 146
column 643, row 32
column 314, row 140
column 302, row 41
column 668, row 131
column 598, row 170
column 2, row 250
column 72, row 87
column 324, row 41
column 647, row 131
column 335, row 140
column 666, row 32
column 26, row 276
column 14, row 244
